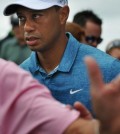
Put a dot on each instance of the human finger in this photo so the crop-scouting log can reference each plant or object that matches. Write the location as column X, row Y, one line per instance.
column 84, row 112
column 94, row 72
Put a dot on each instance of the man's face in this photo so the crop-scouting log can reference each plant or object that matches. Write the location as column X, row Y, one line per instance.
column 41, row 28
column 92, row 33
column 115, row 52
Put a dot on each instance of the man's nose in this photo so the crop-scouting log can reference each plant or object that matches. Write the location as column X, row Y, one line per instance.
column 28, row 27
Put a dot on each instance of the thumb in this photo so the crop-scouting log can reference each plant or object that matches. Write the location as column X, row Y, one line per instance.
column 84, row 112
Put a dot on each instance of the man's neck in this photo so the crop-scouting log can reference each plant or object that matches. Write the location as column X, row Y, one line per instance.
column 50, row 59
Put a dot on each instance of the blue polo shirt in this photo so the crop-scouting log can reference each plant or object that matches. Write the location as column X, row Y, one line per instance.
column 69, row 81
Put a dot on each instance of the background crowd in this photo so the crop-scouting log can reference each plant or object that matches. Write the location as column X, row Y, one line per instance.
column 86, row 27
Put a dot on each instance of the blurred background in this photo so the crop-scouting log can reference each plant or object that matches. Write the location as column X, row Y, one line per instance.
column 107, row 10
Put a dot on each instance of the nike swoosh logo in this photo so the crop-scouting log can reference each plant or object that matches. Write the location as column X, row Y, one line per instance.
column 75, row 91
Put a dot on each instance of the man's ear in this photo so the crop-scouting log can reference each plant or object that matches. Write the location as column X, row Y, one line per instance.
column 64, row 13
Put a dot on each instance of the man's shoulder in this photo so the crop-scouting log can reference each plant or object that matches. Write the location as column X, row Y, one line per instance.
column 29, row 63
column 9, row 43
column 87, row 50
column 103, row 59
column 26, row 64
column 82, row 50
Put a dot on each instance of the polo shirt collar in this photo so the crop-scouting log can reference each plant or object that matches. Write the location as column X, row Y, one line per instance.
column 34, row 62
column 69, row 54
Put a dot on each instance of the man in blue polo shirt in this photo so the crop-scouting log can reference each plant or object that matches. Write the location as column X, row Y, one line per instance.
column 57, row 60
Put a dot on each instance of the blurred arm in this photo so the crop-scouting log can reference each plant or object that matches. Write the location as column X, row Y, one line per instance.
column 105, row 99
column 28, row 107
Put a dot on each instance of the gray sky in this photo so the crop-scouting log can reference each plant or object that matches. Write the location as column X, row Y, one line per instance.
column 107, row 10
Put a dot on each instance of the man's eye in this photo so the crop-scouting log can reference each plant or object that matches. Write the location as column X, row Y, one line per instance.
column 36, row 16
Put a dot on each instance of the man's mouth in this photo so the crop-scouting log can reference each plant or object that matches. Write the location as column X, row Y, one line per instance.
column 31, row 40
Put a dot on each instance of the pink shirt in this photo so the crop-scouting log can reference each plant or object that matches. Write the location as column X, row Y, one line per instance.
column 27, row 106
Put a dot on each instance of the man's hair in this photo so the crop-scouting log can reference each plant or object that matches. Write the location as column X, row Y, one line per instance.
column 87, row 15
